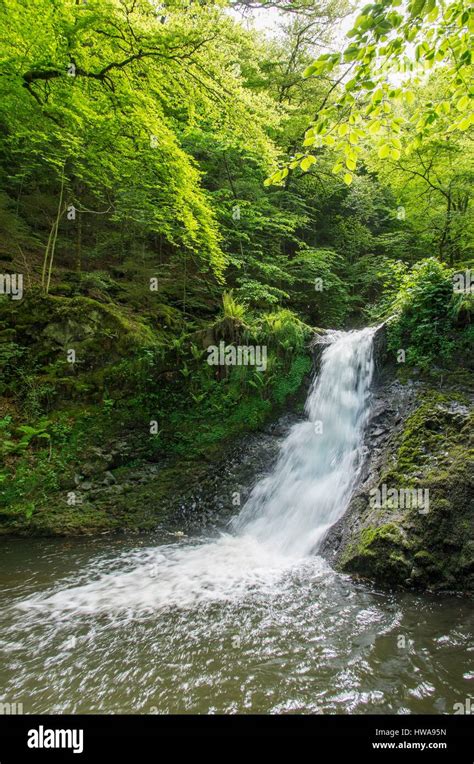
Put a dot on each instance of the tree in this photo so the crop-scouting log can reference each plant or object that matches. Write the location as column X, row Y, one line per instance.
column 391, row 48
column 96, row 99
column 433, row 180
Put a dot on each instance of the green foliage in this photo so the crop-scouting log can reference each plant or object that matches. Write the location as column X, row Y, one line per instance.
column 423, row 309
column 318, row 288
column 231, row 307
column 380, row 44
column 25, row 435
column 283, row 329
column 390, row 275
column 67, row 68
column 11, row 355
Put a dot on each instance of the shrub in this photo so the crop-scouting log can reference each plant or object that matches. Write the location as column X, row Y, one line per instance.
column 423, row 308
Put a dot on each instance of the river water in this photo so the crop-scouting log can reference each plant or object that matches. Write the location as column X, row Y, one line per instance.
column 250, row 619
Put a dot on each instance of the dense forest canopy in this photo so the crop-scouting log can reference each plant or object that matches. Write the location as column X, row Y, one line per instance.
column 200, row 178
column 151, row 124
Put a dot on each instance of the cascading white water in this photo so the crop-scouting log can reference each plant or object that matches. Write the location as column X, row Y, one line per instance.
column 281, row 524
column 311, row 483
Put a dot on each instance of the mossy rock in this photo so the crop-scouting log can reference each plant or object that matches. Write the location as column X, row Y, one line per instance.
column 429, row 547
column 48, row 328
column 380, row 553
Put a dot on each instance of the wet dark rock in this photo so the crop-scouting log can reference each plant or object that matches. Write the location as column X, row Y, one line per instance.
column 225, row 485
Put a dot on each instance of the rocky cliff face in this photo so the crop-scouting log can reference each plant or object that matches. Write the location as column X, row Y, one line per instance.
column 410, row 521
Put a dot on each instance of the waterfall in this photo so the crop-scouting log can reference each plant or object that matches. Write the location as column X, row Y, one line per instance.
column 281, row 524
column 309, row 488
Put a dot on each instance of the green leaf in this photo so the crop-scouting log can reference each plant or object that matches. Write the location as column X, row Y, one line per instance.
column 416, row 7
column 465, row 123
column 351, row 53
column 307, row 162
column 375, row 127
column 317, row 67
